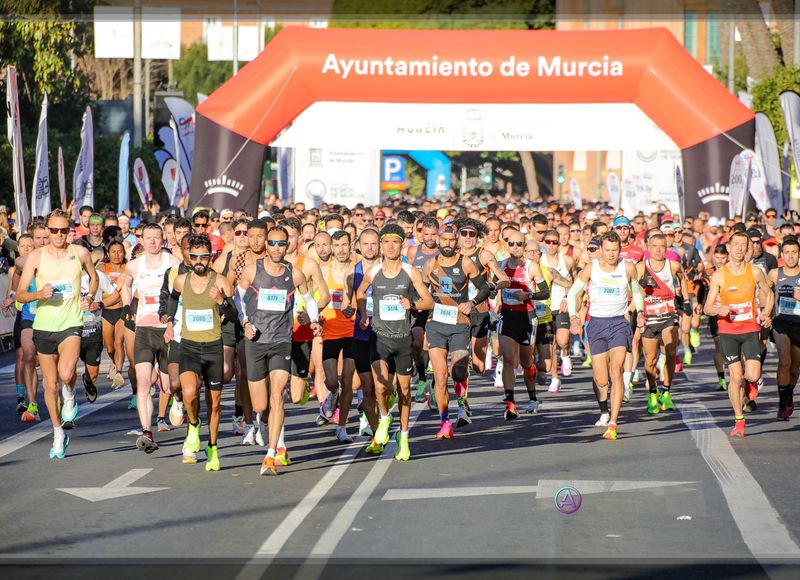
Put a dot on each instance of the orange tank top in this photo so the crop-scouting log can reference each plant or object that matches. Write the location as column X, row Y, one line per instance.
column 738, row 292
column 336, row 325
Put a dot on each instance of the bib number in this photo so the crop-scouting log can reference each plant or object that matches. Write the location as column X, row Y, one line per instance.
column 510, row 297
column 609, row 290
column 658, row 308
column 541, row 309
column 445, row 314
column 62, row 290
column 199, row 320
column 148, row 304
column 391, row 309
column 741, row 312
column 472, row 292
column 788, row 306
column 272, row 300
column 337, row 297
column 370, row 306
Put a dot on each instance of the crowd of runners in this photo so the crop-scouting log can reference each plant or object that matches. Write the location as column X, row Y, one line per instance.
column 374, row 308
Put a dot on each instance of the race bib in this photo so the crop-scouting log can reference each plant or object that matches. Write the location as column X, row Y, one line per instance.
column 510, row 297
column 370, row 306
column 272, row 300
column 391, row 309
column 541, row 309
column 788, row 306
column 445, row 314
column 32, row 307
column 609, row 290
column 199, row 320
column 337, row 297
column 741, row 312
column 658, row 308
column 62, row 290
column 148, row 304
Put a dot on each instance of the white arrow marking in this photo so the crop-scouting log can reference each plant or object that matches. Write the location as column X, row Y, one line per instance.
column 113, row 489
column 546, row 489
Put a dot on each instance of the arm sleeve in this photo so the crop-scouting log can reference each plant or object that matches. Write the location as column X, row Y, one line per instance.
column 228, row 308
column 638, row 299
column 172, row 305
column 577, row 288
column 484, row 287
column 542, row 291
column 311, row 306
column 164, row 297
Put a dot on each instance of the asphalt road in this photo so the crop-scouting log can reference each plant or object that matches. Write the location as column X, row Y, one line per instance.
column 674, row 495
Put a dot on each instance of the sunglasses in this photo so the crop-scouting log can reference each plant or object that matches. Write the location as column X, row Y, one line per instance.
column 379, row 219
column 239, row 232
column 199, row 225
column 468, row 234
column 515, row 244
column 279, row 243
column 359, row 214
column 592, row 249
column 771, row 215
column 621, row 227
column 574, row 231
column 198, row 256
column 62, row 231
column 227, row 218
column 551, row 242
column 757, row 242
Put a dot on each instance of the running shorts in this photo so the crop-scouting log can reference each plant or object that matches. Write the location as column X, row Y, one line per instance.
column 733, row 346
column 479, row 324
column 788, row 329
column 205, row 360
column 516, row 326
column 174, row 354
column 90, row 352
column 561, row 320
column 149, row 347
column 47, row 342
column 396, row 352
column 654, row 330
column 112, row 316
column 20, row 324
column 604, row 334
column 545, row 333
column 264, row 358
column 301, row 359
column 362, row 354
column 333, row 347
column 453, row 337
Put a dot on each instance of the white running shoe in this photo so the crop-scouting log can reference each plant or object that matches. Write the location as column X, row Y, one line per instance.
column 603, row 420
column 533, row 407
column 176, row 413
column 363, row 426
column 260, row 437
column 342, row 435
column 249, row 437
column 498, row 375
column 566, row 365
column 463, row 419
column 69, row 408
column 576, row 348
column 188, row 457
column 326, row 409
column 637, row 376
column 117, row 381
column 488, row 361
column 555, row 386
column 626, row 392
column 237, row 426
column 626, row 378
column 112, row 370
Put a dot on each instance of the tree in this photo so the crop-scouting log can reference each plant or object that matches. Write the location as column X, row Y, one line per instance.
column 194, row 73
column 766, row 97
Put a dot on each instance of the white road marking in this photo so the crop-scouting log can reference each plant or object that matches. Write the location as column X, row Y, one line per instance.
column 114, row 489
column 760, row 525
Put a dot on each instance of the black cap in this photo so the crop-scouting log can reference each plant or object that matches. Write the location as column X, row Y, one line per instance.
column 755, row 233
column 595, row 241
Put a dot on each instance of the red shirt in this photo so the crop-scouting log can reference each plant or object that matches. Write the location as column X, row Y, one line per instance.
column 631, row 253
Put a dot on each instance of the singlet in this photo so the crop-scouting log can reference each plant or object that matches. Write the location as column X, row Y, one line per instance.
column 171, row 274
column 557, row 292
column 92, row 321
column 659, row 293
column 200, row 314
column 112, row 277
column 483, row 270
column 148, row 287
column 336, row 325
column 518, row 278
column 608, row 291
column 738, row 292
column 542, row 307
column 631, row 253
column 301, row 332
column 449, row 289
column 28, row 310
column 390, row 319
column 787, row 309
column 63, row 309
column 358, row 276
column 269, row 302
column 421, row 258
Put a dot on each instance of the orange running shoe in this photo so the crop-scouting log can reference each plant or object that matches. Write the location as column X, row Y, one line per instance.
column 282, row 457
column 611, row 433
column 268, row 466
column 510, row 412
column 445, row 431
column 738, row 429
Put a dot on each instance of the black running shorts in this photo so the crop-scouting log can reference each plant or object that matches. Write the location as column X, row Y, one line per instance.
column 734, row 346
column 395, row 352
column 149, row 347
column 205, row 360
column 265, row 358
column 47, row 342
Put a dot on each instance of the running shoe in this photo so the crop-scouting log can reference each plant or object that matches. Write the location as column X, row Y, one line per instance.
column 566, row 366
column 212, row 458
column 132, row 404
column 626, row 392
column 117, row 381
column 541, row 377
column 176, row 413
column 637, row 376
column 687, row 358
column 153, row 389
column 260, row 436
column 327, row 407
column 313, row 392
column 59, row 451
column 193, row 437
column 374, row 448
column 722, row 385
column 188, row 457
column 587, row 363
column 432, row 406
column 678, row 366
column 382, row 433
column 498, row 375
column 445, row 430
column 335, row 418
column 306, row 393
column 112, row 370
column 21, row 406
column 249, row 437
column 738, row 429
column 462, row 420
column 576, row 348
column 603, row 420
column 422, row 387
column 533, row 407
column 555, row 386
column 282, row 457
column 162, row 425
column 268, row 466
column 751, row 390
column 89, row 387
column 363, row 426
column 666, row 402
column 237, row 425
column 146, row 443
column 789, row 410
column 749, row 406
column 342, row 436
column 694, row 337
column 611, row 433
column 31, row 414
column 69, row 406
column 510, row 412
column 783, row 414
column 403, row 452
column 466, row 407
column 652, row 404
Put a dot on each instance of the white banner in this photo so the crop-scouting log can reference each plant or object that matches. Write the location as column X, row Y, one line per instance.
column 220, row 43
column 161, row 33
column 62, row 180
column 180, row 183
column 629, row 203
column 790, row 103
column 612, row 183
column 681, row 192
column 141, row 181
column 767, row 150
column 654, row 174
column 83, row 176
column 183, row 113
column 40, row 190
column 758, row 182
column 15, row 138
column 737, row 185
column 339, row 176
column 575, row 191
column 113, row 32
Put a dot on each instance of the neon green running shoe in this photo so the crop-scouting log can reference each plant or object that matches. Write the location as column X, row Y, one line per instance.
column 652, row 404
column 666, row 402
column 403, row 452
column 722, row 385
column 422, row 386
column 694, row 337
column 392, row 400
column 374, row 448
column 212, row 458
column 132, row 404
column 687, row 358
column 432, row 400
column 587, row 363
column 382, row 433
column 193, row 437
column 306, row 393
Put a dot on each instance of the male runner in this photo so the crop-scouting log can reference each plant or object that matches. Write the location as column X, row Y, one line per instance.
column 559, row 267
column 632, row 253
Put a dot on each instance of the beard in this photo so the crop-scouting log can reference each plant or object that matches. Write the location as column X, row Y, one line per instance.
column 447, row 252
column 200, row 269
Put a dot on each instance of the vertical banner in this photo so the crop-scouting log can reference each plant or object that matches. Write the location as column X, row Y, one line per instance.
column 62, row 180
column 83, row 176
column 757, row 185
column 15, row 138
column 786, row 176
column 737, row 185
column 767, row 152
column 183, row 115
column 628, row 202
column 575, row 190
column 681, row 192
column 176, row 193
column 790, row 103
column 612, row 183
column 123, row 181
column 40, row 191
column 141, row 181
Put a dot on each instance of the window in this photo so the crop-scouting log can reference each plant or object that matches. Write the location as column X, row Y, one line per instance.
column 690, row 32
column 208, row 23
column 713, row 50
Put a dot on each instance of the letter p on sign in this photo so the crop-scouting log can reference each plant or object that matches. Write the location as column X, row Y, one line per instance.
column 394, row 169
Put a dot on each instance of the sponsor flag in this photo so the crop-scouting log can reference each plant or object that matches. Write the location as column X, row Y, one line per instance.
column 757, row 185
column 629, row 201
column 790, row 103
column 141, row 181
column 737, row 184
column 681, row 192
column 575, row 189
column 786, row 175
column 767, row 152
column 123, row 180
column 40, row 190
column 83, row 176
column 612, row 183
column 183, row 115
column 62, row 180
column 15, row 138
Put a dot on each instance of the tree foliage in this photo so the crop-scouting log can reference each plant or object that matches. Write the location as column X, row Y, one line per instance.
column 766, row 97
column 194, row 73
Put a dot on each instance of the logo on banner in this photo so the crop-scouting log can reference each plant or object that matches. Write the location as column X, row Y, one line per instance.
column 716, row 192
column 429, row 128
column 316, row 190
column 223, row 184
column 473, row 128
column 647, row 156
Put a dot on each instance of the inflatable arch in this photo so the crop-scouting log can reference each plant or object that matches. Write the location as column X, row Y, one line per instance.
column 469, row 90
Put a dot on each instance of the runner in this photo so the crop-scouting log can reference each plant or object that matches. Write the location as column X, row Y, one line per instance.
column 58, row 320
column 719, row 259
column 392, row 282
column 633, row 254
column 92, row 335
column 738, row 285
column 559, row 266
column 607, row 281
column 113, row 266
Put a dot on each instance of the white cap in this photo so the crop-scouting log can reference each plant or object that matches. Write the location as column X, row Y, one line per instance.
column 591, row 215
column 263, row 214
column 714, row 222
column 226, row 211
